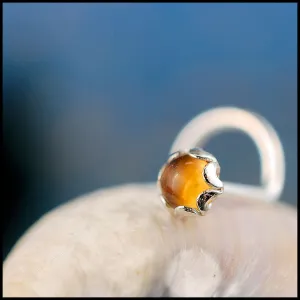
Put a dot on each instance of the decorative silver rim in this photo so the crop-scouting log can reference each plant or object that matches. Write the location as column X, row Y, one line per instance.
column 210, row 175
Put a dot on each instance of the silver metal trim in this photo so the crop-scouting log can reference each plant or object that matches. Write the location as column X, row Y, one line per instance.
column 210, row 174
column 205, row 204
column 184, row 209
column 174, row 156
column 201, row 154
column 161, row 171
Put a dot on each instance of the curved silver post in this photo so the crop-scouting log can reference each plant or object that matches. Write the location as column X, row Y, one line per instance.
column 211, row 122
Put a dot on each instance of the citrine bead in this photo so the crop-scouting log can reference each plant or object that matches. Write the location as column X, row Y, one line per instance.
column 182, row 181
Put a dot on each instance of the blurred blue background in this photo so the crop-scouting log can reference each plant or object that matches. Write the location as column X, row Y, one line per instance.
column 94, row 94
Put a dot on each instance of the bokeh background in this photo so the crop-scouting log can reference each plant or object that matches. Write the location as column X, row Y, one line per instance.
column 94, row 94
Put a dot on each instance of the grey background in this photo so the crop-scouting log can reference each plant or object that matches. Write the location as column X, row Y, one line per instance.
column 94, row 94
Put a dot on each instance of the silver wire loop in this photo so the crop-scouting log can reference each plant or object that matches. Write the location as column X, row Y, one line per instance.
column 214, row 121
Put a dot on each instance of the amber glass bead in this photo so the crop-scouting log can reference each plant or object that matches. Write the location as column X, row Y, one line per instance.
column 182, row 181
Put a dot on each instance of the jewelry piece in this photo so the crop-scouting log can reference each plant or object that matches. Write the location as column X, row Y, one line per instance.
column 214, row 121
column 189, row 181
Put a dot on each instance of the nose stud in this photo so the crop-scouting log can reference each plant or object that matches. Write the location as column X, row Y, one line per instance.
column 189, row 181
